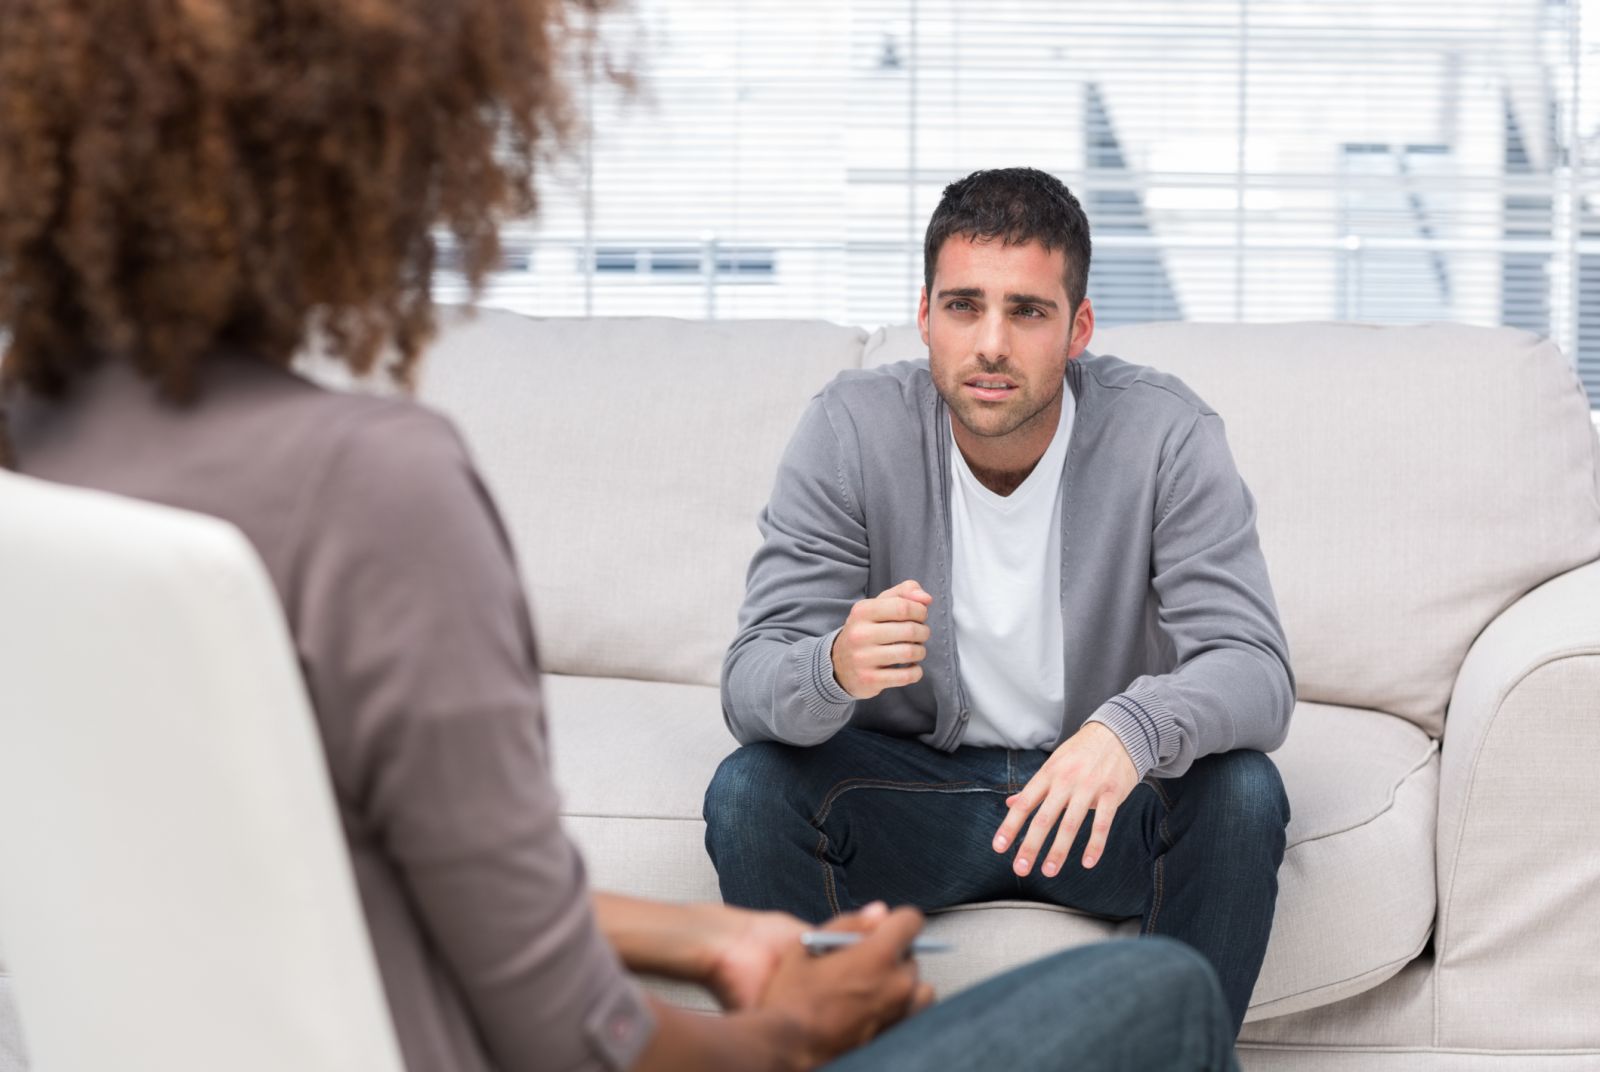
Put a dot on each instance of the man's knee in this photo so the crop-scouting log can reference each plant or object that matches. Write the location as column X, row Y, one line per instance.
column 1245, row 786
column 749, row 789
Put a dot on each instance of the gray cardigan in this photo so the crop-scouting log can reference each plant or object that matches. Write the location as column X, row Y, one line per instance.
column 1171, row 632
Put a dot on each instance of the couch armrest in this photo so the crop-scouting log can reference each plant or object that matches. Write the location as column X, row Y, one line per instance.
column 1518, row 852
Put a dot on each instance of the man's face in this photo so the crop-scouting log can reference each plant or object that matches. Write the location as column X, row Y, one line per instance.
column 1000, row 331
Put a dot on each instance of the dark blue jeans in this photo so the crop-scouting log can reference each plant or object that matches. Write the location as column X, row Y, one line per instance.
column 863, row 817
column 1113, row 1007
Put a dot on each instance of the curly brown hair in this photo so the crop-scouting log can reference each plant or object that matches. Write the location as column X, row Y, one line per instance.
column 179, row 176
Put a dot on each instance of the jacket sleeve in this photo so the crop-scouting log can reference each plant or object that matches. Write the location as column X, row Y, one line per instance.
column 419, row 652
column 777, row 678
column 1232, row 686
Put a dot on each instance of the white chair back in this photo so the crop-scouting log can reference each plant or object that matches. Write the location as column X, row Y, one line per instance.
column 175, row 892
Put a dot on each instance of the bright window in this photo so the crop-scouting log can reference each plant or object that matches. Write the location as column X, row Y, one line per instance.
column 1378, row 160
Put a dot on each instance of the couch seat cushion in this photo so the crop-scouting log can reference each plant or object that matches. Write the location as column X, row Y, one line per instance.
column 1356, row 890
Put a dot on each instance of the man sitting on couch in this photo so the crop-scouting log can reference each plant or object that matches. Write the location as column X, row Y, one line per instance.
column 1013, row 580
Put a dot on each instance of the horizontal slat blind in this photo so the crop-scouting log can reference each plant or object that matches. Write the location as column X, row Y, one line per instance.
column 1389, row 161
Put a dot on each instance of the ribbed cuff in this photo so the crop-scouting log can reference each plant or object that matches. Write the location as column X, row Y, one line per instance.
column 825, row 697
column 1143, row 724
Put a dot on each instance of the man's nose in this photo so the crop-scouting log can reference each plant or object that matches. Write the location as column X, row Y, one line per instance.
column 994, row 336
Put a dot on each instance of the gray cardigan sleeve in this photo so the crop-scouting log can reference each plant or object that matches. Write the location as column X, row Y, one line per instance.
column 1232, row 686
column 777, row 678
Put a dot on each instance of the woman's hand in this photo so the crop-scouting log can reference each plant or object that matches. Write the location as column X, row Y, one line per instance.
column 745, row 948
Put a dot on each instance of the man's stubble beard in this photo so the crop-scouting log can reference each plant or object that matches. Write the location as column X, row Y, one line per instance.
column 961, row 409
column 960, row 406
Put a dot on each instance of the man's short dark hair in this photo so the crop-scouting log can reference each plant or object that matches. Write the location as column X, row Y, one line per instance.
column 1015, row 205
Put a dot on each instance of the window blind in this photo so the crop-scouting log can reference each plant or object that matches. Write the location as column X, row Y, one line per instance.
column 1388, row 161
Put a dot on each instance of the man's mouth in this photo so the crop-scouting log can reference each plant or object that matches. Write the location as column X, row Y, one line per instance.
column 990, row 388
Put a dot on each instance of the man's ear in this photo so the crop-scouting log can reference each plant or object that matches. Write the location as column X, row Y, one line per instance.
column 922, row 316
column 1082, row 329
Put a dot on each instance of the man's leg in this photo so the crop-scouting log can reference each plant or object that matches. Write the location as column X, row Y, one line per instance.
column 1216, row 887
column 862, row 817
column 1196, row 858
column 816, row 831
column 1114, row 1007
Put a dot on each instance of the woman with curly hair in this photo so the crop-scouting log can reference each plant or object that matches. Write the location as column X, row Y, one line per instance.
column 193, row 190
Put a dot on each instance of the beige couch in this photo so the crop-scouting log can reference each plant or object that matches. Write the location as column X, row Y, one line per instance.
column 1430, row 510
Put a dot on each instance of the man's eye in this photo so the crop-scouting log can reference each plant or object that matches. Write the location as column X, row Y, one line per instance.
column 960, row 305
column 1029, row 311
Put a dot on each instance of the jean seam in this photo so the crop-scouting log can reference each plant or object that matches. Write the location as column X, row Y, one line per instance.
column 1155, row 902
column 829, row 887
column 1166, row 811
column 1155, row 784
column 841, row 788
column 1159, row 870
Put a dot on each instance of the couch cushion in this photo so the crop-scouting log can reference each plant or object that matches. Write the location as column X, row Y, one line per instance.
column 1356, row 892
column 1412, row 482
column 630, row 458
column 1356, row 899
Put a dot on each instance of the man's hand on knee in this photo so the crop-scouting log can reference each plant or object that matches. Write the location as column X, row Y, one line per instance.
column 1091, row 771
column 883, row 641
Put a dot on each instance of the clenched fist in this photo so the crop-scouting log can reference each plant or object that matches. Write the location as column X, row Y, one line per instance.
column 883, row 641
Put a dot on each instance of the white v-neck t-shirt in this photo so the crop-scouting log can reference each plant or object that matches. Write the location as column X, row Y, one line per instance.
column 1006, row 581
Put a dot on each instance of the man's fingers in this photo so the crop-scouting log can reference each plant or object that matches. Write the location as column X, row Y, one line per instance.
column 1104, row 811
column 878, row 657
column 892, row 609
column 896, row 654
column 886, row 631
column 892, row 677
column 1043, row 821
column 1070, row 821
column 910, row 589
column 1021, row 806
column 873, row 656
column 898, row 632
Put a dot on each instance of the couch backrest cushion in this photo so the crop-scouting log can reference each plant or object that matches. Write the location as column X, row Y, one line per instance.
column 1412, row 482
column 630, row 458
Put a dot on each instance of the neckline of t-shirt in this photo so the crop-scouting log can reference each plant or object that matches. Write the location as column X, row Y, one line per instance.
column 1051, row 462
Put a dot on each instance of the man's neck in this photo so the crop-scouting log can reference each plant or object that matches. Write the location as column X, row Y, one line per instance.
column 1002, row 463
column 1000, row 481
